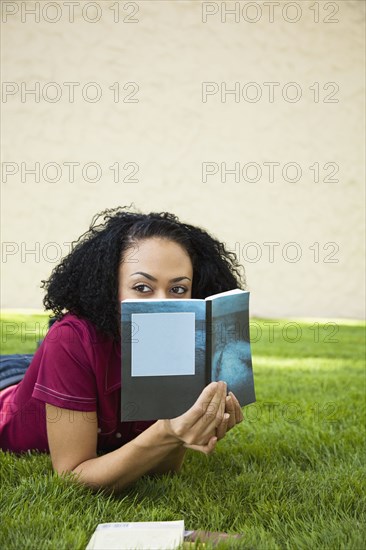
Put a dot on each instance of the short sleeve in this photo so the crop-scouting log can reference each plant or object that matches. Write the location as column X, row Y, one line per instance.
column 65, row 376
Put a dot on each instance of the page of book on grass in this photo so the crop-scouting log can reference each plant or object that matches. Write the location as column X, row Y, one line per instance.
column 171, row 349
column 139, row 535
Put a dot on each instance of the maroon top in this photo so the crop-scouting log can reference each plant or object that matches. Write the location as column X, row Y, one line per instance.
column 75, row 368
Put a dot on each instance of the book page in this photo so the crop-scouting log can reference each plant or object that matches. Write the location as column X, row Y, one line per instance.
column 230, row 350
column 163, row 344
column 226, row 293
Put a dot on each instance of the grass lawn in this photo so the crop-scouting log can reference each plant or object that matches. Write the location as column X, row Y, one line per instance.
column 291, row 476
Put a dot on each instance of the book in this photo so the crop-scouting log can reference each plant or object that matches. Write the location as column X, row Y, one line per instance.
column 171, row 349
column 138, row 535
column 152, row 535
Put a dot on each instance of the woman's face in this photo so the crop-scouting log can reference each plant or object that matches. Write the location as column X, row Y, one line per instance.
column 155, row 268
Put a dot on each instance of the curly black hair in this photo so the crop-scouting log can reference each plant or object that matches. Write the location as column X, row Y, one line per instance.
column 85, row 282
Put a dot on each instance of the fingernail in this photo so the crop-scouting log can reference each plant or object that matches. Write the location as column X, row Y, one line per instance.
column 228, row 398
column 226, row 416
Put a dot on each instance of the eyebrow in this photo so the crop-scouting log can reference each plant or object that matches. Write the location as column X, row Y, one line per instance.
column 175, row 280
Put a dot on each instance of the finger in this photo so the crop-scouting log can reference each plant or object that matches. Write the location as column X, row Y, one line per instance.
column 213, row 411
column 202, row 419
column 217, row 405
column 189, row 420
column 223, row 427
column 231, row 410
column 238, row 412
column 199, row 408
column 206, row 449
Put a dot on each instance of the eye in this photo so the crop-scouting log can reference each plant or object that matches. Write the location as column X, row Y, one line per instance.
column 139, row 288
column 179, row 290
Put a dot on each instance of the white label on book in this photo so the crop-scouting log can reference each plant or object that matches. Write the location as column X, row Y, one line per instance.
column 163, row 344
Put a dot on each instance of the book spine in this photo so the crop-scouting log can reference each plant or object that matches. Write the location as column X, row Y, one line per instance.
column 209, row 329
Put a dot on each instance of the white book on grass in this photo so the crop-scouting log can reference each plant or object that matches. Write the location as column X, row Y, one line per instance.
column 138, row 535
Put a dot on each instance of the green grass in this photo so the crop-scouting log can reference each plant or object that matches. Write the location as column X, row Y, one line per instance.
column 291, row 476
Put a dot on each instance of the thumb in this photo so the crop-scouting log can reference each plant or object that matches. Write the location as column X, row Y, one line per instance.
column 206, row 449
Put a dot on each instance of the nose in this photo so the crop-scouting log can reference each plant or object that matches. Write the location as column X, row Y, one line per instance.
column 162, row 295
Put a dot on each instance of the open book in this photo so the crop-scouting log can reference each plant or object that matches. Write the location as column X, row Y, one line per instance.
column 172, row 349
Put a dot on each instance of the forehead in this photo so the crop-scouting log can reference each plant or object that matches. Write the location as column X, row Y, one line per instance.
column 156, row 254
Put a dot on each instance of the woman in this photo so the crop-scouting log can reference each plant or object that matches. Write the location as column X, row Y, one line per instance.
column 68, row 402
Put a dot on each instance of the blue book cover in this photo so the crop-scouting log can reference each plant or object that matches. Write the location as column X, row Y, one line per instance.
column 172, row 349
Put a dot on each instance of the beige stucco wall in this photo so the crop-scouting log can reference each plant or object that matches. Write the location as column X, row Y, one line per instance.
column 172, row 130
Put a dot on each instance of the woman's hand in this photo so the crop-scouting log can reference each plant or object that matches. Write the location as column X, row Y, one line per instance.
column 232, row 407
column 207, row 420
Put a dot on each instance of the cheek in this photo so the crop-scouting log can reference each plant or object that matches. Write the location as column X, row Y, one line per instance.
column 121, row 290
column 189, row 294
